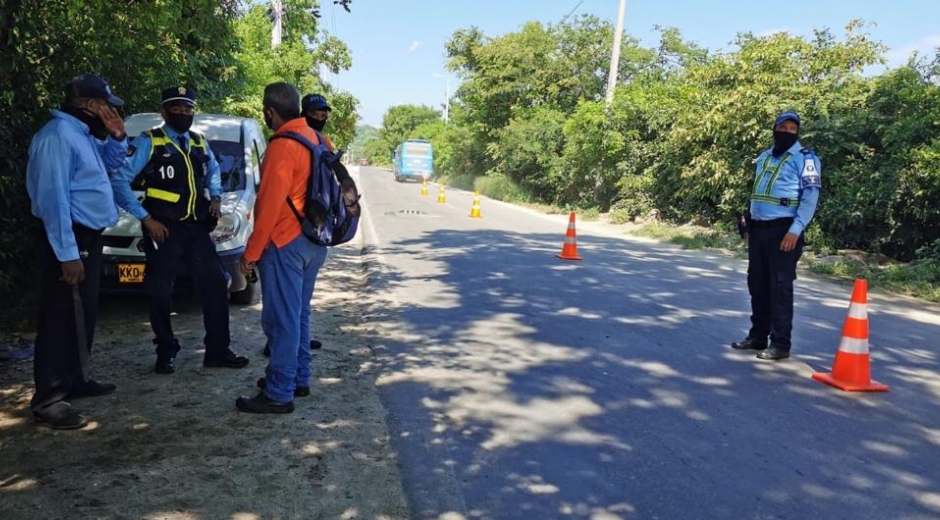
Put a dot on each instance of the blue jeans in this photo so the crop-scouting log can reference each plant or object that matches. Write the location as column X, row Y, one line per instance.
column 288, row 276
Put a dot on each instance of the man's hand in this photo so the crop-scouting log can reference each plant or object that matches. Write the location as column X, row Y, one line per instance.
column 215, row 208
column 73, row 272
column 789, row 242
column 111, row 119
column 158, row 232
column 247, row 268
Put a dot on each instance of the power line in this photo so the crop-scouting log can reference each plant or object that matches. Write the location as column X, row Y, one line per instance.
column 575, row 8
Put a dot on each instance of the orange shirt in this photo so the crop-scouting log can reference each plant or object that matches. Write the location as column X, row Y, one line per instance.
column 284, row 172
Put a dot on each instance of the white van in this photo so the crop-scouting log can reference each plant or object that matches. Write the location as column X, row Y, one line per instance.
column 239, row 145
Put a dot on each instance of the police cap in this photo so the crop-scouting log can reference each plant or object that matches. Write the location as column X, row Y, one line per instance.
column 179, row 95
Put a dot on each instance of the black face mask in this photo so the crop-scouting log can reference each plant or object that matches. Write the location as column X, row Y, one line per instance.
column 179, row 122
column 783, row 141
column 316, row 124
column 95, row 125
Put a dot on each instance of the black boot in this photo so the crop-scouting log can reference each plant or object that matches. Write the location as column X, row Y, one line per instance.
column 262, row 404
column 750, row 343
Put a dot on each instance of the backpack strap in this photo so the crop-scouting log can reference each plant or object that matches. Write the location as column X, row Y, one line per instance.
column 294, row 136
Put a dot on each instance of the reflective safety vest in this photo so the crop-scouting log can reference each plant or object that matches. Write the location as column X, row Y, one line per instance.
column 770, row 174
column 175, row 180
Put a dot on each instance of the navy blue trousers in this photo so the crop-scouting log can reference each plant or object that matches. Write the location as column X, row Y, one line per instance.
column 189, row 243
column 770, row 276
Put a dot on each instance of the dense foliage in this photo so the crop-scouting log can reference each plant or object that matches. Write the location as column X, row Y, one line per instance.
column 222, row 48
column 686, row 125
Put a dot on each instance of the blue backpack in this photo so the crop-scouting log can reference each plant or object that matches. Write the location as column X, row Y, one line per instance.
column 326, row 219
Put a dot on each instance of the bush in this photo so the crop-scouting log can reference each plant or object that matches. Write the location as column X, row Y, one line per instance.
column 499, row 187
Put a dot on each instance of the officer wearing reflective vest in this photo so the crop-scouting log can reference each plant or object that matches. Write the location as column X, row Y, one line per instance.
column 783, row 200
column 182, row 199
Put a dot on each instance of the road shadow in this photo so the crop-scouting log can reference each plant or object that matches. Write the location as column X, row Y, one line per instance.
column 522, row 386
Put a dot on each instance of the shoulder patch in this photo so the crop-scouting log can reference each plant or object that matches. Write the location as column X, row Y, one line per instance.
column 131, row 150
column 806, row 150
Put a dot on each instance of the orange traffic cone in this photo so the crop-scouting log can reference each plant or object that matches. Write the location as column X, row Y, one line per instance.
column 440, row 195
column 475, row 210
column 851, row 370
column 424, row 187
column 569, row 251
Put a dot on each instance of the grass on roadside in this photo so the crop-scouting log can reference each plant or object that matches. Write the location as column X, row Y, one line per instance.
column 690, row 237
column 920, row 280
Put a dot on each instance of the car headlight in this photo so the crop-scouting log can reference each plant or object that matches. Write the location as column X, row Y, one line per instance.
column 228, row 226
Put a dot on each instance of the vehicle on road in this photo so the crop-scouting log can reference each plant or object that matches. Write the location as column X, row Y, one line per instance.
column 239, row 145
column 413, row 160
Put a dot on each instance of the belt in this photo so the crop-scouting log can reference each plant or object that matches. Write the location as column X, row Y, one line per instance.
column 770, row 224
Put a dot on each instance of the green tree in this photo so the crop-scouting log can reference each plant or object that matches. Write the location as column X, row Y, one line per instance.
column 400, row 121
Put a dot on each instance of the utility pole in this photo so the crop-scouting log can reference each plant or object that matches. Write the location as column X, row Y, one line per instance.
column 446, row 95
column 277, row 7
column 615, row 54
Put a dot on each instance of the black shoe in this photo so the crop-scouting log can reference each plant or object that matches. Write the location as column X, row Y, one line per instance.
column 228, row 360
column 67, row 420
column 750, row 343
column 90, row 388
column 300, row 391
column 774, row 353
column 165, row 365
column 262, row 404
column 314, row 345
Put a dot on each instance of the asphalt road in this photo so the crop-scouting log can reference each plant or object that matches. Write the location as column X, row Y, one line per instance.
column 520, row 386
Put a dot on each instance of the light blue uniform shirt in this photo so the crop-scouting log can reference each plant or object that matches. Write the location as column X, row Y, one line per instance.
column 67, row 180
column 799, row 178
column 134, row 164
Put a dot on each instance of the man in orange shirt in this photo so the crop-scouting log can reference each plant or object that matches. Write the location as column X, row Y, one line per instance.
column 316, row 111
column 288, row 262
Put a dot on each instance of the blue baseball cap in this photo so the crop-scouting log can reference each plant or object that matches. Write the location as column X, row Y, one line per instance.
column 314, row 102
column 788, row 116
column 93, row 87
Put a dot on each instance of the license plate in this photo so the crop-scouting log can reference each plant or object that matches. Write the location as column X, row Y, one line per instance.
column 131, row 273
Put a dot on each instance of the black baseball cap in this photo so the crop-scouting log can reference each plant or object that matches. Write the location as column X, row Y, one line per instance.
column 91, row 86
column 314, row 102
column 179, row 94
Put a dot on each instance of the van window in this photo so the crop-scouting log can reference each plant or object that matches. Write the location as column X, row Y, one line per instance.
column 231, row 157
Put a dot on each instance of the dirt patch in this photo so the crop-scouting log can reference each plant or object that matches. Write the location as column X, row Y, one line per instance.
column 173, row 447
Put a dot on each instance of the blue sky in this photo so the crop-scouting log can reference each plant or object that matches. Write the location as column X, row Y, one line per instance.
column 398, row 45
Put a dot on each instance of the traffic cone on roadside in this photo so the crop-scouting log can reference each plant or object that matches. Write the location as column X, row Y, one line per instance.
column 569, row 251
column 424, row 187
column 475, row 210
column 851, row 370
column 440, row 195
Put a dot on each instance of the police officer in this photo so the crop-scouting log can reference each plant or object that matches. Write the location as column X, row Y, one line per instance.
column 317, row 112
column 783, row 201
column 67, row 182
column 181, row 205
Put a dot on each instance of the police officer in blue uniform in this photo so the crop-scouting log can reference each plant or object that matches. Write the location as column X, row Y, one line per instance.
column 783, row 200
column 67, row 181
column 181, row 205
